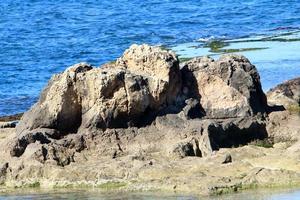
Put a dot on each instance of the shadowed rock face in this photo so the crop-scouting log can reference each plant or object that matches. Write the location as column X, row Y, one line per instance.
column 144, row 99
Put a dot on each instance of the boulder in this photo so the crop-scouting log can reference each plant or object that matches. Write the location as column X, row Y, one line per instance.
column 227, row 88
column 286, row 94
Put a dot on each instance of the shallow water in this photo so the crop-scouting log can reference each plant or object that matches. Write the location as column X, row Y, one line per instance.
column 271, row 194
column 40, row 38
column 276, row 57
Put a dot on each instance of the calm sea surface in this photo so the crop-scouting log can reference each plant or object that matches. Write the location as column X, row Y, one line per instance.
column 41, row 37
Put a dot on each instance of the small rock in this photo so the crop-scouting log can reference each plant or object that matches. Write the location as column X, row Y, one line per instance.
column 228, row 159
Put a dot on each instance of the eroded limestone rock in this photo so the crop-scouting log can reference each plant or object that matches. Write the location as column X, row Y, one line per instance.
column 141, row 120
column 144, row 79
column 141, row 101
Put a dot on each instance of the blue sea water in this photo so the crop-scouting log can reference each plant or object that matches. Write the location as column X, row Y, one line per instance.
column 41, row 37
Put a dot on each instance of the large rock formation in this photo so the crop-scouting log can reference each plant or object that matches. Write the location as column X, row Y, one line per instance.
column 140, row 122
column 144, row 101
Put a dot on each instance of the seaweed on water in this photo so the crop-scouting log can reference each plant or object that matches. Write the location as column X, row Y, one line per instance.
column 216, row 45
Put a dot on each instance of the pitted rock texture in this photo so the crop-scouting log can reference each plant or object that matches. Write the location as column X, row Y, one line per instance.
column 144, row 101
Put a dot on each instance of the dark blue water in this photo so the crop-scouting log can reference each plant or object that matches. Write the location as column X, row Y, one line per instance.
column 41, row 37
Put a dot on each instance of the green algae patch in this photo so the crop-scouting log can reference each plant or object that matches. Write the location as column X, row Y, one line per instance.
column 112, row 62
column 73, row 186
column 270, row 186
column 265, row 143
column 185, row 59
column 31, row 185
column 34, row 185
column 282, row 39
column 164, row 48
column 217, row 191
column 240, row 187
column 112, row 185
column 216, row 45
column 239, row 50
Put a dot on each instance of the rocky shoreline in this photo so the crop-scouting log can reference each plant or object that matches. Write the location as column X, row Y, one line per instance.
column 147, row 122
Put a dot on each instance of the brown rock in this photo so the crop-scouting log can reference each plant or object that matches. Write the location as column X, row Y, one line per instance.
column 286, row 94
column 227, row 88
